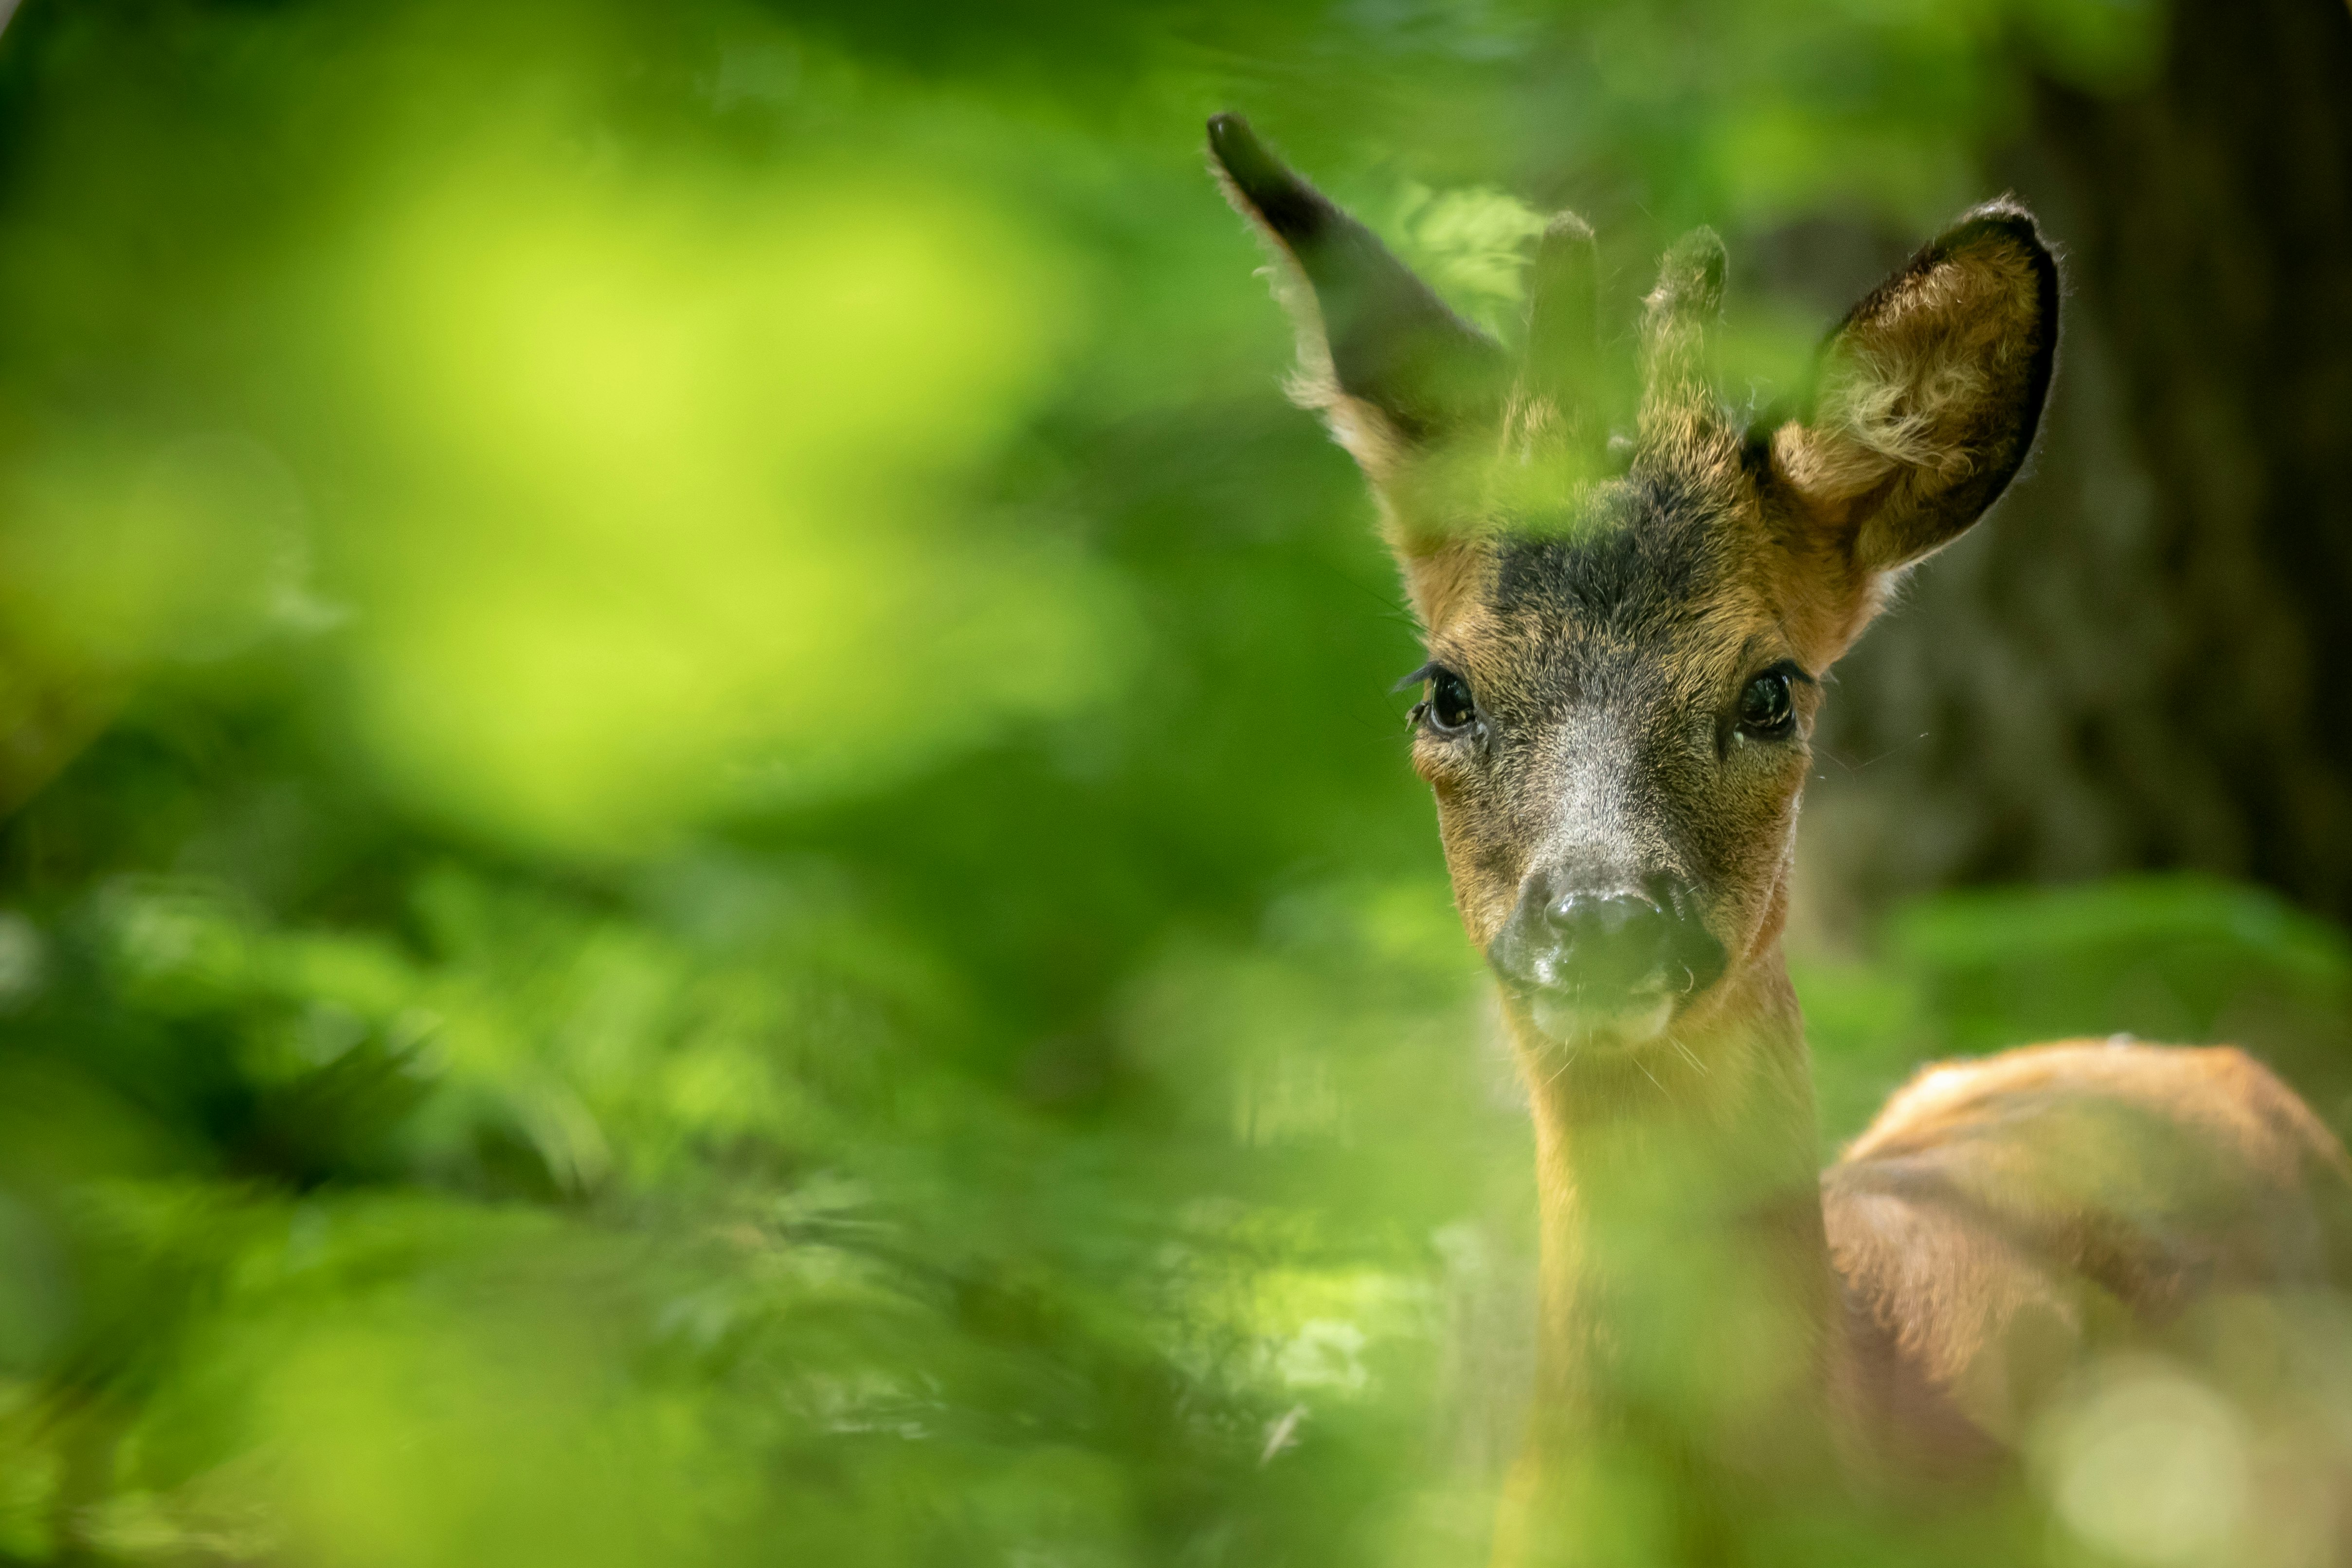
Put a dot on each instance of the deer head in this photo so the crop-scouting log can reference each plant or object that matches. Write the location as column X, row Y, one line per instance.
column 1627, row 637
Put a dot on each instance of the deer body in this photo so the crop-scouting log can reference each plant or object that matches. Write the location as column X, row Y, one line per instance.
column 1626, row 642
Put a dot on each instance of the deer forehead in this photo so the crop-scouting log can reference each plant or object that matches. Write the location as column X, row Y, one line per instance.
column 1647, row 588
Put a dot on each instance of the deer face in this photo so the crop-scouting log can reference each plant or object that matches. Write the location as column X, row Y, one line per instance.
column 1614, row 730
column 1626, row 638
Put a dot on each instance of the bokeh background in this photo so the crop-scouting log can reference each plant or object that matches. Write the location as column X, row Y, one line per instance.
column 704, row 858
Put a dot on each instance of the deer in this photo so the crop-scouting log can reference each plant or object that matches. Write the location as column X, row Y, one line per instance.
column 1627, row 638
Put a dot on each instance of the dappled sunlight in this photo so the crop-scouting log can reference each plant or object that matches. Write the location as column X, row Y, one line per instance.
column 676, row 522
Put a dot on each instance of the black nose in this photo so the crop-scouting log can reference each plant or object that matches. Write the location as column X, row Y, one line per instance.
column 1607, row 945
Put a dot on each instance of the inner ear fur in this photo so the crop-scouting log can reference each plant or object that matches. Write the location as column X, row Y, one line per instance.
column 1928, row 395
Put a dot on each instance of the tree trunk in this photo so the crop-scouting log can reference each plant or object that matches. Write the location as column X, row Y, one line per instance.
column 2144, row 658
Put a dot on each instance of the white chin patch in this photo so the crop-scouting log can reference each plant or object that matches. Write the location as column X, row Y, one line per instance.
column 1638, row 1022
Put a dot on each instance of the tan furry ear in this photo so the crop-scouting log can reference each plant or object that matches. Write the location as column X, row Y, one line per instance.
column 1928, row 395
column 1389, row 367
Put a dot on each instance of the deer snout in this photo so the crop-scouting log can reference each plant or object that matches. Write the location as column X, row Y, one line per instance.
column 1609, row 960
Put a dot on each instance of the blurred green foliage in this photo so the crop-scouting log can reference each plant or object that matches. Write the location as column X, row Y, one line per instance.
column 2179, row 957
column 704, row 861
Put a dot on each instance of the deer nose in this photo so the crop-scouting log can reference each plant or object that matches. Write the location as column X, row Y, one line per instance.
column 1604, row 947
column 1609, row 941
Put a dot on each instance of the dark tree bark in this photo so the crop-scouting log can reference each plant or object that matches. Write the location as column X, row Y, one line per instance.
column 2144, row 658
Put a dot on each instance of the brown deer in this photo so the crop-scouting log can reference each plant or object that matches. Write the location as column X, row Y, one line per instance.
column 1626, row 644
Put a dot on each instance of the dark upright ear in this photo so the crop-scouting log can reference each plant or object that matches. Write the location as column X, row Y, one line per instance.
column 1927, row 396
column 1389, row 364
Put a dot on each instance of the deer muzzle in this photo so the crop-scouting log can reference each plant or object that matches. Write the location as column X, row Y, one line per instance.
column 1605, row 963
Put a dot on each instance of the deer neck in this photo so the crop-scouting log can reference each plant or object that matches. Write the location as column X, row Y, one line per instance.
column 1687, row 1291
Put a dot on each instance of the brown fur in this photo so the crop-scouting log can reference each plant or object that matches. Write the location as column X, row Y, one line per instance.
column 2009, row 1207
column 2001, row 1215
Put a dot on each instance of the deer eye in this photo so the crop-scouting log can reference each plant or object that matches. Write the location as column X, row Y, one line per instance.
column 1449, row 705
column 1765, row 710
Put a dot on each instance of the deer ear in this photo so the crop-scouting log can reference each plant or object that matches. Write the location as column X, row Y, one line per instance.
column 1390, row 367
column 1927, row 397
